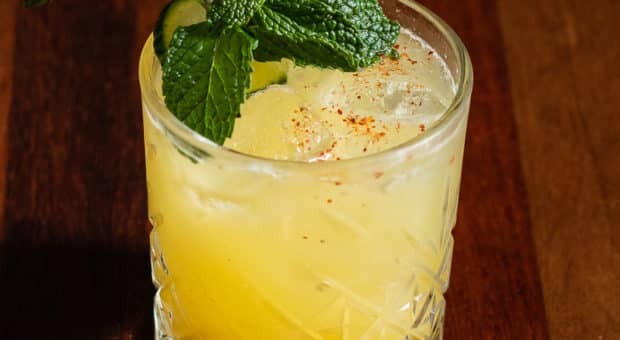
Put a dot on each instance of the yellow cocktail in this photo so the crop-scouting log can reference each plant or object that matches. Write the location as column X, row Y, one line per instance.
column 333, row 218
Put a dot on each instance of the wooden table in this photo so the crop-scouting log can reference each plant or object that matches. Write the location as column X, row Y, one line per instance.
column 537, row 249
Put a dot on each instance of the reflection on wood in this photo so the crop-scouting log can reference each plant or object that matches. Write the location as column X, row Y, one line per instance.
column 563, row 70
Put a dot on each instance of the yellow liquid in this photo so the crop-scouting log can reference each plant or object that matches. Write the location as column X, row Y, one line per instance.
column 252, row 250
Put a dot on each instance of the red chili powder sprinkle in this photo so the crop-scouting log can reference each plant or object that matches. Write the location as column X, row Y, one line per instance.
column 378, row 136
column 422, row 127
column 366, row 120
column 378, row 174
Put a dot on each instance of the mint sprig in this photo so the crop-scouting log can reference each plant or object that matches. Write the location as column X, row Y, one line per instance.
column 282, row 37
column 358, row 29
column 205, row 77
column 207, row 67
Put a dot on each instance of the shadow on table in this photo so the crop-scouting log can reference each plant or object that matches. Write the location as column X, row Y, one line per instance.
column 74, row 291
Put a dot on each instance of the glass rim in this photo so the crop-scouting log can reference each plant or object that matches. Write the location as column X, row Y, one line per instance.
column 168, row 121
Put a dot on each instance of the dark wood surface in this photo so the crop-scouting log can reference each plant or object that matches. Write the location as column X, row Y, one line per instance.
column 536, row 252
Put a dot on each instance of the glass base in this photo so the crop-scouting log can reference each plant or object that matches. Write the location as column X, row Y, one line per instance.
column 163, row 319
column 428, row 306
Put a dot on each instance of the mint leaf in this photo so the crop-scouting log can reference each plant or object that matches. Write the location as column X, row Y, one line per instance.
column 34, row 3
column 376, row 31
column 231, row 13
column 358, row 30
column 205, row 76
column 281, row 37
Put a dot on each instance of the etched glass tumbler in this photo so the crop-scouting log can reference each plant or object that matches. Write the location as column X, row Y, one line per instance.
column 251, row 248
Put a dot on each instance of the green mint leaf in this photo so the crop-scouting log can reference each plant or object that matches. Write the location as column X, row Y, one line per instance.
column 358, row 29
column 205, row 77
column 34, row 3
column 281, row 37
column 373, row 27
column 232, row 13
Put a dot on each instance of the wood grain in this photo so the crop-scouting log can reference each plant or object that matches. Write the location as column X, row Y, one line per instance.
column 563, row 58
column 77, row 169
column 495, row 290
column 75, row 260
column 75, row 233
column 7, row 41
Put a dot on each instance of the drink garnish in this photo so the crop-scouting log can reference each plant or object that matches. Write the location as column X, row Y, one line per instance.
column 207, row 65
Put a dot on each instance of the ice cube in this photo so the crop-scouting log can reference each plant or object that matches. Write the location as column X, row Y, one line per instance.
column 213, row 205
column 345, row 226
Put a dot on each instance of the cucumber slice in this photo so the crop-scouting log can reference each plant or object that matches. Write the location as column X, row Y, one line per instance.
column 269, row 73
column 176, row 13
column 188, row 12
